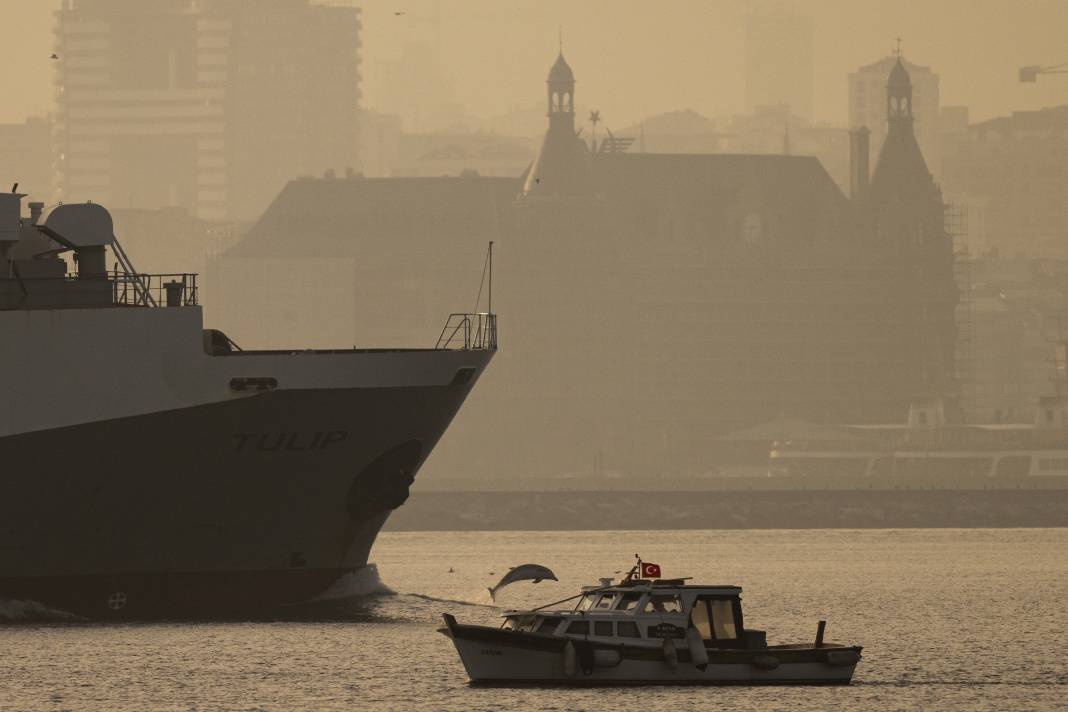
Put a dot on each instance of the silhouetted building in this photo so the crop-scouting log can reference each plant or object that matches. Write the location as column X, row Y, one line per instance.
column 906, row 208
column 209, row 105
column 778, row 61
column 1013, row 170
column 683, row 131
column 26, row 157
column 562, row 165
column 776, row 129
column 867, row 94
column 650, row 303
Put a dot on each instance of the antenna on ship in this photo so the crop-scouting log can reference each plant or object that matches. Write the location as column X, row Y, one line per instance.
column 487, row 272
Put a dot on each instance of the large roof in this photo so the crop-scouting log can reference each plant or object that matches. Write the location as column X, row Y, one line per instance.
column 328, row 217
column 752, row 198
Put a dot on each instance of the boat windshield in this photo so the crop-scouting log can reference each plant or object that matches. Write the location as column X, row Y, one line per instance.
column 587, row 601
column 525, row 622
column 606, row 602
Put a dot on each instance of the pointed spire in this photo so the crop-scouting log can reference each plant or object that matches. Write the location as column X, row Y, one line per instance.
column 786, row 138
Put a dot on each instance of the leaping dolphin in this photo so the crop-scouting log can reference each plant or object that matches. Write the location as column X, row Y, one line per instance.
column 525, row 572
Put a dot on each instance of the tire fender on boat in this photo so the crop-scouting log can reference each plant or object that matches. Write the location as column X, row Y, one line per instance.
column 765, row 662
column 570, row 661
column 842, row 658
column 671, row 656
column 698, row 653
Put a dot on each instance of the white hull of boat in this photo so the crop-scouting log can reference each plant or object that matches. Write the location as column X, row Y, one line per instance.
column 499, row 663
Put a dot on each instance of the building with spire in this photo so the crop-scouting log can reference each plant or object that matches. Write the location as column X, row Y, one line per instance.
column 867, row 107
column 905, row 209
column 562, row 166
column 652, row 303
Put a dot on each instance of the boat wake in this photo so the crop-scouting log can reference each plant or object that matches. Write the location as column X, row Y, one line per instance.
column 461, row 602
column 361, row 583
column 21, row 611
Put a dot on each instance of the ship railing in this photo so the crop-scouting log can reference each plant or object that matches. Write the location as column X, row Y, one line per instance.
column 150, row 290
column 116, row 288
column 469, row 332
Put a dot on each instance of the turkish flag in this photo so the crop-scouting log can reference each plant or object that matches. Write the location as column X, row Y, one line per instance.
column 650, row 571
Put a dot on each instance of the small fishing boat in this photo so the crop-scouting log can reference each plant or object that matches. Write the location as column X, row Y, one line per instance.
column 644, row 630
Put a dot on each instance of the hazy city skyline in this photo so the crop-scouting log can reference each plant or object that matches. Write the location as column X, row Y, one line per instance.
column 494, row 53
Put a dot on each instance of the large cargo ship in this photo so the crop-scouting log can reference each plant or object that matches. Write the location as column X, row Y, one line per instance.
column 152, row 468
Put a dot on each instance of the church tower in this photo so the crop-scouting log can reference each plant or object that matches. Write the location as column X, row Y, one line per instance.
column 562, row 166
column 908, row 219
column 561, row 86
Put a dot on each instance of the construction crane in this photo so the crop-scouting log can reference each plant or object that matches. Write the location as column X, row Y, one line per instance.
column 1030, row 73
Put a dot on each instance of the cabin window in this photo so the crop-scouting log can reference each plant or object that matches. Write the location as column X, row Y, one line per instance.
column 578, row 628
column 663, row 603
column 603, row 628
column 606, row 602
column 548, row 625
column 628, row 601
column 700, row 619
column 723, row 619
column 585, row 602
column 627, row 629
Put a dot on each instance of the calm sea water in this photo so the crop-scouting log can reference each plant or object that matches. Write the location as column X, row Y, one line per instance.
column 950, row 619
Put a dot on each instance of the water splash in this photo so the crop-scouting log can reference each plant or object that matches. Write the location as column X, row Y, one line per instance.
column 361, row 583
column 21, row 611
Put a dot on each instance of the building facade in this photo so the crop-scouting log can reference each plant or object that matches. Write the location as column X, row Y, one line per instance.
column 208, row 105
column 1013, row 170
column 651, row 304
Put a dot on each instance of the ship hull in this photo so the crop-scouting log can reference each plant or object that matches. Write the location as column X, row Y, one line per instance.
column 228, row 508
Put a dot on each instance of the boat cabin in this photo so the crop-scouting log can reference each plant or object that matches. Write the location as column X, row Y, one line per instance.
column 644, row 610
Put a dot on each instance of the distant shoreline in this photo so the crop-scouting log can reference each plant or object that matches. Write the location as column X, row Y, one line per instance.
column 779, row 509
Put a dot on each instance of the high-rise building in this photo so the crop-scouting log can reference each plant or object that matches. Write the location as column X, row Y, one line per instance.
column 778, row 61
column 209, row 105
column 867, row 106
column 26, row 157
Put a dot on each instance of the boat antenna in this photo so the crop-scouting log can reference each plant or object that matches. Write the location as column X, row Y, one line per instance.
column 487, row 267
column 634, row 569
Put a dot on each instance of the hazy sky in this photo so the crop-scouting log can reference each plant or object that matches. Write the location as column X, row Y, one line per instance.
column 636, row 57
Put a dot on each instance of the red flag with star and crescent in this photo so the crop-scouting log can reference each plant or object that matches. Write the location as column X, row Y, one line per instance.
column 650, row 571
